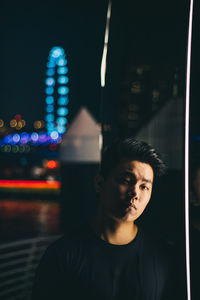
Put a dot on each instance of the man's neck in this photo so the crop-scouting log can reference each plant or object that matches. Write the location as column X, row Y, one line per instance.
column 115, row 232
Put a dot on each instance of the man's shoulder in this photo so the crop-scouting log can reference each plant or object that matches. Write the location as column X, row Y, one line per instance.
column 155, row 247
column 75, row 236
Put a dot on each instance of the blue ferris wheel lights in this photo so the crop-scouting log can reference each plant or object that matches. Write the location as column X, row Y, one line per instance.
column 56, row 63
column 43, row 137
column 50, row 81
column 62, row 111
column 49, row 100
column 51, row 64
column 16, row 138
column 25, row 138
column 34, row 137
column 63, row 100
column 56, row 52
column 63, row 90
column 62, row 70
column 61, row 121
column 54, row 135
column 50, row 126
column 50, row 72
column 49, row 108
column 49, row 118
column 61, row 129
column 7, row 139
column 61, row 62
column 49, row 90
column 63, row 79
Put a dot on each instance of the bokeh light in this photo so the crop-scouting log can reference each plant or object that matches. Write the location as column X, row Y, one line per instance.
column 51, row 164
column 37, row 124
column 62, row 70
column 54, row 135
column 63, row 90
column 13, row 123
column 50, row 81
column 49, row 100
column 62, row 111
column 16, row 138
column 63, row 79
column 56, row 58
column 1, row 123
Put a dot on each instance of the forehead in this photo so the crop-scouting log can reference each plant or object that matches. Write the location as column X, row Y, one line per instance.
column 139, row 169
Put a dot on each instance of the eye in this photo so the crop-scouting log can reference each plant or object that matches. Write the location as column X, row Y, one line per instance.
column 144, row 187
column 124, row 181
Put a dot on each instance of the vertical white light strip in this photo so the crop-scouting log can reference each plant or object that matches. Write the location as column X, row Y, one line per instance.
column 187, row 112
column 103, row 61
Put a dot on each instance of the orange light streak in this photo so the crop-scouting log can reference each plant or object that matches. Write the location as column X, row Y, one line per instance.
column 27, row 184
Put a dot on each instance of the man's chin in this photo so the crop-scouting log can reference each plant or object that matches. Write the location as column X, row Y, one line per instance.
column 127, row 216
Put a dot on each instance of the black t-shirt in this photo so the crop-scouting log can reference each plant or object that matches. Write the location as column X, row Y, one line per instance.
column 83, row 266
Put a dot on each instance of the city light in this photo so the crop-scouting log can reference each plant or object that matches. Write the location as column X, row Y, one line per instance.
column 56, row 63
column 34, row 136
column 1, row 123
column 56, row 52
column 19, row 125
column 16, row 138
column 61, row 62
column 63, row 79
column 63, row 90
column 62, row 70
column 62, row 100
column 50, row 81
column 49, row 100
column 61, row 121
column 61, row 129
column 18, row 117
column 13, row 123
column 49, row 118
column 54, row 135
column 24, row 138
column 50, row 64
column 49, row 108
column 37, row 124
column 49, row 90
column 62, row 111
column 50, row 72
column 56, row 101
column 51, row 164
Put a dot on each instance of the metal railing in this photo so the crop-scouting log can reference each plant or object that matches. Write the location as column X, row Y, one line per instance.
column 18, row 262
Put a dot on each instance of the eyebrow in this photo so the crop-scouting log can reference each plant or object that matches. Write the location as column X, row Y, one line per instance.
column 127, row 173
column 147, row 180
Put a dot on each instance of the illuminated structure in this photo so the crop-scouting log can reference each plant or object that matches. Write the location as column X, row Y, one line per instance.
column 56, row 90
column 56, row 81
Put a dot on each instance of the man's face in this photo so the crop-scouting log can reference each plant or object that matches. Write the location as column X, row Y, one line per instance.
column 125, row 193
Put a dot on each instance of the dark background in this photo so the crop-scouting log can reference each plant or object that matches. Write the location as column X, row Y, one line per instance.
column 140, row 32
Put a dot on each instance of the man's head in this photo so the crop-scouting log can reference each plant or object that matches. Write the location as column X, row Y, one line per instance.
column 126, row 176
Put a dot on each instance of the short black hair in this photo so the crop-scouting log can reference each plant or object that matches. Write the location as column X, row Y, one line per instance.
column 131, row 149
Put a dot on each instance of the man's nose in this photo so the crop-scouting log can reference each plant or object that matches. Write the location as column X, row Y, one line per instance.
column 133, row 191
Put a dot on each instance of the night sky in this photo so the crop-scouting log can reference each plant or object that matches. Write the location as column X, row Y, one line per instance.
column 28, row 31
column 141, row 32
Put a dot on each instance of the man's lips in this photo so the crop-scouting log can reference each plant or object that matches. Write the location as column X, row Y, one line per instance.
column 132, row 205
column 129, row 204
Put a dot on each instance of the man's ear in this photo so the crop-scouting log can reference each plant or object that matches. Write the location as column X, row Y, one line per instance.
column 98, row 182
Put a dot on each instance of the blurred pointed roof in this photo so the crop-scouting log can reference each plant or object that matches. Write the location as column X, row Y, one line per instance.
column 83, row 125
column 82, row 142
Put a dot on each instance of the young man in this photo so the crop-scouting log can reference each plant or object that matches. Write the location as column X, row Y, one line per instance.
column 111, row 258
